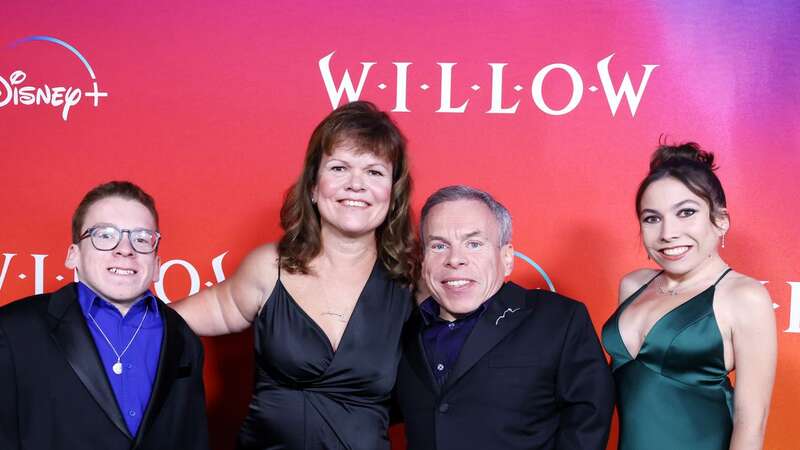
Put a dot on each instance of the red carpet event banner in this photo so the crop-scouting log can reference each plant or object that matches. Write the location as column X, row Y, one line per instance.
column 552, row 107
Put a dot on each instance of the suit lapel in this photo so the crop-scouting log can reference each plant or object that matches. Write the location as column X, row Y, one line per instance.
column 415, row 353
column 505, row 312
column 171, row 349
column 71, row 334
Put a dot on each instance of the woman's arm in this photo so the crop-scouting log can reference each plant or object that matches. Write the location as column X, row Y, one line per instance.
column 754, row 352
column 232, row 305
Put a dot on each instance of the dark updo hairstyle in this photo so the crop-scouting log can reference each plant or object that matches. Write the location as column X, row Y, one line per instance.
column 693, row 167
column 370, row 130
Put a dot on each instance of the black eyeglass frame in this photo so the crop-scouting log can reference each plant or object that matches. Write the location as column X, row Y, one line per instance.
column 122, row 231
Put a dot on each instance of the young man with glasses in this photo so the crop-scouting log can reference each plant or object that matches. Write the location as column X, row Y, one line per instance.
column 102, row 363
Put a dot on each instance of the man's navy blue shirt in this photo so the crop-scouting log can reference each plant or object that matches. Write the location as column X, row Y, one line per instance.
column 133, row 386
column 443, row 340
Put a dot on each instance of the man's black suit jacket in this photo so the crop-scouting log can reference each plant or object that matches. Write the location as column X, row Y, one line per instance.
column 531, row 375
column 54, row 393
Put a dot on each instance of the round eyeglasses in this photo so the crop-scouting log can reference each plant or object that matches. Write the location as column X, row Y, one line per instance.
column 106, row 237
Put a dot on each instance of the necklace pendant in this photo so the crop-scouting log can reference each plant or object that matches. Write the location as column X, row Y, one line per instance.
column 117, row 368
column 339, row 316
column 664, row 291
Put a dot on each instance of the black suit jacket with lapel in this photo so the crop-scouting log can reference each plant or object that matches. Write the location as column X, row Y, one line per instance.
column 55, row 394
column 531, row 375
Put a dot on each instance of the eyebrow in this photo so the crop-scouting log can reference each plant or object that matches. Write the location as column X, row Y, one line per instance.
column 681, row 203
column 341, row 161
column 648, row 211
column 469, row 235
column 433, row 237
column 472, row 234
column 673, row 207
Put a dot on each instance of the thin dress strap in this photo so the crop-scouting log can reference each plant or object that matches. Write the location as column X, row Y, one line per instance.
column 722, row 276
column 651, row 280
column 639, row 291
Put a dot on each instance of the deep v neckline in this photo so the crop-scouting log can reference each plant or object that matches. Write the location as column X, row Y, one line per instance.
column 315, row 326
column 657, row 322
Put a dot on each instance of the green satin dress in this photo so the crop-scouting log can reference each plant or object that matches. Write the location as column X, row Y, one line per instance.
column 675, row 394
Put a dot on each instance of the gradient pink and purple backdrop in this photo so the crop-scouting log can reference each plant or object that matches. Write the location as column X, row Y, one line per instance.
column 211, row 104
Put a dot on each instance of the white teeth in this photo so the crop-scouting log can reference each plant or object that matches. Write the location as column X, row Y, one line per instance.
column 457, row 283
column 675, row 251
column 356, row 203
column 119, row 271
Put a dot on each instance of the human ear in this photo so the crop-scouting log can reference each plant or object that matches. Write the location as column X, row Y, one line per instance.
column 73, row 256
column 722, row 221
column 157, row 272
column 507, row 257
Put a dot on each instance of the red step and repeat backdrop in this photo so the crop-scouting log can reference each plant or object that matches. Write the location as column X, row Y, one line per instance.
column 553, row 107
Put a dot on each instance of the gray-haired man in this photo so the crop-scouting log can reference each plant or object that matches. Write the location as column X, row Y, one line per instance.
column 486, row 363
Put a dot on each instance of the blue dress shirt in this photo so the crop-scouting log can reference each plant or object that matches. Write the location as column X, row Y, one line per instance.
column 443, row 340
column 133, row 386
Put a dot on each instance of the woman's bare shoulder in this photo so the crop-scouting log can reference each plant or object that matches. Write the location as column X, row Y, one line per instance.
column 632, row 281
column 739, row 295
column 260, row 268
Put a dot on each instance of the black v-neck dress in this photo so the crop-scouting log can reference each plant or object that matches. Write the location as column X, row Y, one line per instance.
column 306, row 395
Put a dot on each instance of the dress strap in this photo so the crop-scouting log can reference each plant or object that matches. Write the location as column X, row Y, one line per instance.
column 651, row 280
column 643, row 287
column 722, row 276
column 279, row 268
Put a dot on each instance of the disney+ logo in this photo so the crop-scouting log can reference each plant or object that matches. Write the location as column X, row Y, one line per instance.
column 14, row 92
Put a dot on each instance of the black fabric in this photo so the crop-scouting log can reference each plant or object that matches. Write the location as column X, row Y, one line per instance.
column 531, row 375
column 306, row 395
column 55, row 393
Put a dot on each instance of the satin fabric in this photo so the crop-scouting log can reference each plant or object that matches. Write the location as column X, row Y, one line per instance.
column 309, row 397
column 675, row 394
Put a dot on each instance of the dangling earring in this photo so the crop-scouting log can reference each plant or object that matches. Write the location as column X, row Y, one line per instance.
column 723, row 240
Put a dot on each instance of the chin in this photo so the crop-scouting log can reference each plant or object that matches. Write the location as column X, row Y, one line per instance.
column 358, row 231
column 126, row 295
column 462, row 307
column 678, row 269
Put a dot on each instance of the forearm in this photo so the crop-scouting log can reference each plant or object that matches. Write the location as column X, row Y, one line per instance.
column 748, row 433
column 206, row 314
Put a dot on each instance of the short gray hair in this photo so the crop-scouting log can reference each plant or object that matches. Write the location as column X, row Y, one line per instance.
column 462, row 192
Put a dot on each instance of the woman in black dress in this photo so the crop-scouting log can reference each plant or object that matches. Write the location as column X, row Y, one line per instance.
column 330, row 298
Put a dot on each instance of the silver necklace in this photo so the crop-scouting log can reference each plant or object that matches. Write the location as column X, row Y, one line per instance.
column 117, row 366
column 341, row 317
column 677, row 289
column 664, row 291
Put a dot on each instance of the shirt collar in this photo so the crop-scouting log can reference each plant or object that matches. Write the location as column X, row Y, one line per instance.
column 90, row 300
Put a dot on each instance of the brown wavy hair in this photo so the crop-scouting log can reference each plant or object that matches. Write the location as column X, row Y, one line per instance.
column 369, row 130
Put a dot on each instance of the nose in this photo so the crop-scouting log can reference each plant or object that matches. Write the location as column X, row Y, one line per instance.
column 669, row 229
column 124, row 248
column 356, row 181
column 455, row 258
